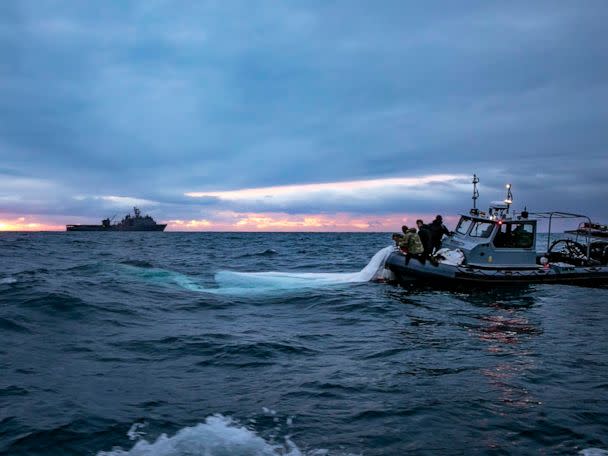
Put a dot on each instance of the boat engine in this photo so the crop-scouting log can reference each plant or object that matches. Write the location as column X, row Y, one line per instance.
column 599, row 252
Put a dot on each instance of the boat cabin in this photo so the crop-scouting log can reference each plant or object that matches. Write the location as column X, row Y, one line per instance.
column 495, row 239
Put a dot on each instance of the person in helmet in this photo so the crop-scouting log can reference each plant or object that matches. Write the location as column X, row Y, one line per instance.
column 411, row 245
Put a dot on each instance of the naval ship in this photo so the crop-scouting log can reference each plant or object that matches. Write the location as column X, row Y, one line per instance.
column 128, row 223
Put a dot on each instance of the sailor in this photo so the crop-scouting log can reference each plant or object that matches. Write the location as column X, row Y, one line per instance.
column 437, row 229
column 403, row 240
column 521, row 237
column 425, row 237
column 411, row 245
column 396, row 237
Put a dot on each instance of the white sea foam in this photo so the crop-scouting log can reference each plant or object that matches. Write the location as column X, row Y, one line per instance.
column 135, row 432
column 593, row 452
column 217, row 436
column 7, row 280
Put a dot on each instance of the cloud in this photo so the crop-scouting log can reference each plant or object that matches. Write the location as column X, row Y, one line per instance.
column 360, row 196
column 150, row 102
column 277, row 221
column 187, row 225
column 125, row 201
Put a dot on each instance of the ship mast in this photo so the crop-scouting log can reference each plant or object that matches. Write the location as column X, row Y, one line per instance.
column 475, row 181
column 475, row 191
column 509, row 198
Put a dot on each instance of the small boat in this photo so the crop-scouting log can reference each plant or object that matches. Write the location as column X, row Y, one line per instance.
column 499, row 247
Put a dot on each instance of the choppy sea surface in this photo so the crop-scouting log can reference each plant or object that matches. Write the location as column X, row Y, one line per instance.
column 175, row 344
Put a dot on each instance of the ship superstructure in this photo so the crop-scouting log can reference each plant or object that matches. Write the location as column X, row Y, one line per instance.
column 135, row 222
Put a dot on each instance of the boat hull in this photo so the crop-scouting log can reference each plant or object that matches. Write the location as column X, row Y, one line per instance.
column 158, row 227
column 448, row 274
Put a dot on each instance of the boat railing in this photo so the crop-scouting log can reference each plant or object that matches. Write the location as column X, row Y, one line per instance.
column 550, row 215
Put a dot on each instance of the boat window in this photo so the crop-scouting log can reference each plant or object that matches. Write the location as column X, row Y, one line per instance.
column 481, row 229
column 515, row 235
column 463, row 225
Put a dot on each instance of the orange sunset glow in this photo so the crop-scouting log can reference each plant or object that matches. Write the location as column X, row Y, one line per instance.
column 303, row 223
column 27, row 224
column 281, row 222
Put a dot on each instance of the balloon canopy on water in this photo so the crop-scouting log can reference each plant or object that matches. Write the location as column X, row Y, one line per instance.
column 232, row 282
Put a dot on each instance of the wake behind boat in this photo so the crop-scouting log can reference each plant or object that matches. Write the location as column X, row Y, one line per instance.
column 499, row 247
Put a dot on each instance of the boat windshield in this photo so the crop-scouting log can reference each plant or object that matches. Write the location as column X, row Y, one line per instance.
column 481, row 229
column 463, row 225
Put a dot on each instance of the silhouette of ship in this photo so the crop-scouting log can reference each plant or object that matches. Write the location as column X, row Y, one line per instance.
column 129, row 223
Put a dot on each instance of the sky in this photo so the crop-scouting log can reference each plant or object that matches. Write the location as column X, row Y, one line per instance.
column 315, row 115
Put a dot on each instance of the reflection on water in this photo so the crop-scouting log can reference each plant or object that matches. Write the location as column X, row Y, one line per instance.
column 520, row 297
column 501, row 330
column 507, row 332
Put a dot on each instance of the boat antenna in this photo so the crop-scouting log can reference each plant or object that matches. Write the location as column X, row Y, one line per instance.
column 509, row 198
column 475, row 191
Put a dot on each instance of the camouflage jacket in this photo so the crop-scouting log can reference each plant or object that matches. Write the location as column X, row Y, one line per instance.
column 411, row 243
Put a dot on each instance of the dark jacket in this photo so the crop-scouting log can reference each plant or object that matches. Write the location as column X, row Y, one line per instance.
column 437, row 230
column 425, row 237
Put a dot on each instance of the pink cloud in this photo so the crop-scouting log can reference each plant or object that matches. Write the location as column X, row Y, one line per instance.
column 303, row 222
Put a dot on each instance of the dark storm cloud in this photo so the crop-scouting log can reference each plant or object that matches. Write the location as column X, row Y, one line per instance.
column 149, row 100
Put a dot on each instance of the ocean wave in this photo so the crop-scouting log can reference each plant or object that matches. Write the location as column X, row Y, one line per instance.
column 34, row 271
column 264, row 349
column 163, row 277
column 138, row 263
column 59, row 304
column 83, row 241
column 217, row 436
column 254, row 354
column 8, row 281
column 10, row 325
column 13, row 390
column 87, row 267
column 173, row 346
column 210, row 352
column 265, row 253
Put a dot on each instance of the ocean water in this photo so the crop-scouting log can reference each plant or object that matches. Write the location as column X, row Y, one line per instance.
column 175, row 344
